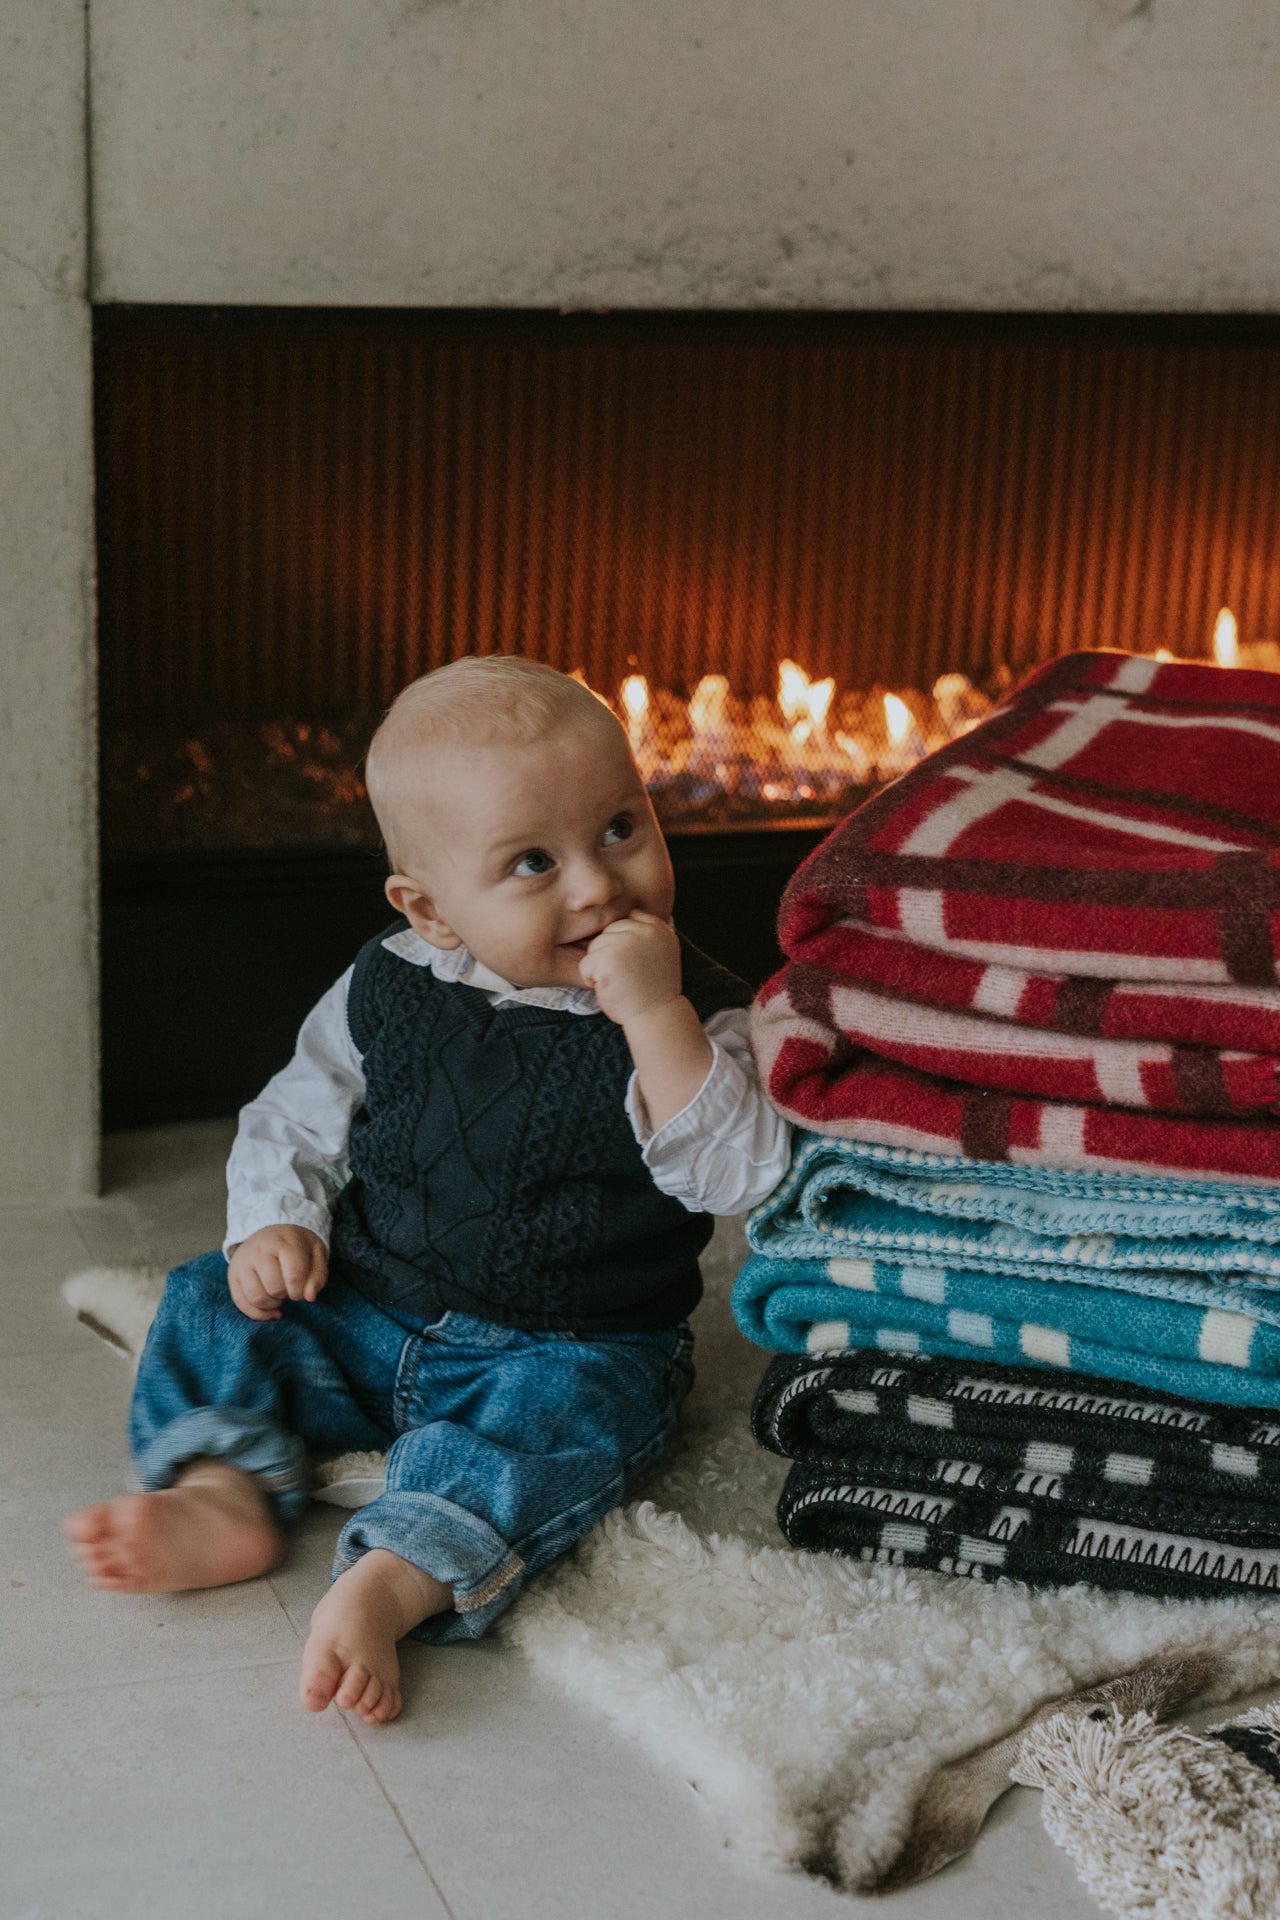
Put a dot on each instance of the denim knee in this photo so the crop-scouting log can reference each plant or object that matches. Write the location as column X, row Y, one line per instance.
column 515, row 1445
column 204, row 1387
column 199, row 1284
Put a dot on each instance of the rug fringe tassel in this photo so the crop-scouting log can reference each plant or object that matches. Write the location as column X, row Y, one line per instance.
column 1159, row 1820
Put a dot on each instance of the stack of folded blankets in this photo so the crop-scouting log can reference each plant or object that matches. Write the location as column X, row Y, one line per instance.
column 1023, row 1277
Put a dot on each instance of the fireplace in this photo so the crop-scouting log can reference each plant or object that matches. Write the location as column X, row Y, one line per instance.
column 794, row 552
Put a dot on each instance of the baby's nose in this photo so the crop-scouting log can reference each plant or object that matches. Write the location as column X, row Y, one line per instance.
column 591, row 884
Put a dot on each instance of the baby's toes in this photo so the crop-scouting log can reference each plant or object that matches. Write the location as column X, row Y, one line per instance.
column 93, row 1558
column 106, row 1565
column 387, row 1708
column 367, row 1705
column 321, row 1673
column 114, row 1582
column 88, row 1525
column 351, row 1692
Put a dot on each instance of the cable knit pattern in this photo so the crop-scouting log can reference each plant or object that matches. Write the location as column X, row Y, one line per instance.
column 573, row 1110
column 494, row 1169
column 392, row 999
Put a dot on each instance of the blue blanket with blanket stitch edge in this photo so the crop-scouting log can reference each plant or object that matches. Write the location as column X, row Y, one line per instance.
column 856, row 1198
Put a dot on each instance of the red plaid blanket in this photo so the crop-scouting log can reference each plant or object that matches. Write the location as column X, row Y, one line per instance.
column 820, row 1079
column 1246, row 1019
column 1117, row 818
column 987, row 1052
column 1054, row 941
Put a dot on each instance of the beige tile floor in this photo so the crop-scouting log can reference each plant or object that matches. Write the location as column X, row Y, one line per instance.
column 154, row 1760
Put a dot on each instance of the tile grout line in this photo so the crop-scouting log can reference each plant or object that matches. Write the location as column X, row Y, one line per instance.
column 137, row 1680
column 37, row 1213
column 79, row 1232
column 399, row 1818
column 378, row 1781
column 53, row 1348
column 95, row 1258
column 283, row 1605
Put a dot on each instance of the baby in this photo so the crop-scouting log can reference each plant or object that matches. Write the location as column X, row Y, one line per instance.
column 464, row 1221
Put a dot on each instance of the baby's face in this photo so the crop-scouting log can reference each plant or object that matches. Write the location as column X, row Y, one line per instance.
column 531, row 850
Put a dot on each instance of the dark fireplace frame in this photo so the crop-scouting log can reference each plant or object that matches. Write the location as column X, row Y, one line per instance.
column 209, row 964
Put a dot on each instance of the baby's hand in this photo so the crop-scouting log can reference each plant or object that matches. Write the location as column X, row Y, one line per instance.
column 274, row 1264
column 633, row 966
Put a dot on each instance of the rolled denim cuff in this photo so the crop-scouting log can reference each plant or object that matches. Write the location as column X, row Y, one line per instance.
column 250, row 1441
column 455, row 1547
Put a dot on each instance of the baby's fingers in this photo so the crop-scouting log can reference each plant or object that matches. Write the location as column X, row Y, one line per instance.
column 303, row 1272
column 295, row 1274
column 319, row 1274
column 251, row 1296
column 313, row 1279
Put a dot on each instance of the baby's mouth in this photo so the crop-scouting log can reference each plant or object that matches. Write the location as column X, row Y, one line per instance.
column 580, row 945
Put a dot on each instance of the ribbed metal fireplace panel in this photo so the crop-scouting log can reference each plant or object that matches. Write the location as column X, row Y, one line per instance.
column 299, row 511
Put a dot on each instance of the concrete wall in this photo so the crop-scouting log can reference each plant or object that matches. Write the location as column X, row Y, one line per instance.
column 48, row 865
column 1107, row 154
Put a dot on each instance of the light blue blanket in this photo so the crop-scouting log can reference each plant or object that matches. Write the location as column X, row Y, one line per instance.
column 1207, row 1340
column 863, row 1201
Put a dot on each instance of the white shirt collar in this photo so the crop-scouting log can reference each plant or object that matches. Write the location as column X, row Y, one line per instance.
column 458, row 965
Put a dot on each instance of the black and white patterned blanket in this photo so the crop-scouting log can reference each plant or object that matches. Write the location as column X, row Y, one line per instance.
column 998, row 1471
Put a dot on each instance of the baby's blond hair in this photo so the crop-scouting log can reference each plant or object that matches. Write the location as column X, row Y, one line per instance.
column 477, row 701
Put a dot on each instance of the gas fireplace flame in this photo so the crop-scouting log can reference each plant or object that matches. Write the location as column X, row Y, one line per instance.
column 635, row 697
column 1226, row 639
column 793, row 684
column 808, row 750
column 708, row 705
column 813, row 747
column 897, row 719
column 805, row 703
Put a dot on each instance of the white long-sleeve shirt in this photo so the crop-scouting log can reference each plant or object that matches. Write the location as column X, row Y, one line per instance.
column 722, row 1153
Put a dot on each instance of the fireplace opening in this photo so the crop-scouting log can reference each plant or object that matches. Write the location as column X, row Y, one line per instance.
column 793, row 551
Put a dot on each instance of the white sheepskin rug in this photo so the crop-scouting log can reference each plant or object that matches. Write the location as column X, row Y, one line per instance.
column 808, row 1698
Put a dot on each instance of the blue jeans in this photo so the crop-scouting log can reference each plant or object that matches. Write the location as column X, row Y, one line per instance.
column 502, row 1447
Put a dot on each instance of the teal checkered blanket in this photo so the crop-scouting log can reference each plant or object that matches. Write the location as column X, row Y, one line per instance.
column 1205, row 1339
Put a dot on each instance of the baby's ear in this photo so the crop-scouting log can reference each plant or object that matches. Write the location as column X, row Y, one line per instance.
column 419, row 909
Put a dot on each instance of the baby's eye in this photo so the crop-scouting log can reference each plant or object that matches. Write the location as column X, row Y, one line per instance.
column 533, row 863
column 621, row 827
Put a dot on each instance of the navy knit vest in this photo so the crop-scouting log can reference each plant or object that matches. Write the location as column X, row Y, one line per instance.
column 493, row 1167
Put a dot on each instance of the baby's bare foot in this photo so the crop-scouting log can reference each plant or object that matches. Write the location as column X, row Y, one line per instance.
column 350, row 1656
column 215, row 1526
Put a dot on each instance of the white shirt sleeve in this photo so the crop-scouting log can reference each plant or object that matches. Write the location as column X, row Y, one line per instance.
column 289, row 1160
column 728, row 1149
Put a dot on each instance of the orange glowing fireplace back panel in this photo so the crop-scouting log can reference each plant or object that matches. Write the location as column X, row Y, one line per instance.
column 300, row 511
